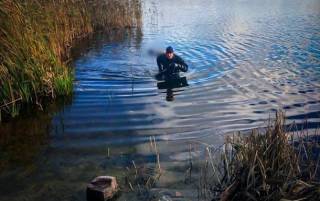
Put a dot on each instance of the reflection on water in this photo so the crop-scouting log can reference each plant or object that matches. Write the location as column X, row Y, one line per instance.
column 26, row 137
column 169, row 96
column 247, row 58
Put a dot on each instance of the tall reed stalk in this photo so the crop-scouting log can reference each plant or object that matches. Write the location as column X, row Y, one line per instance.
column 35, row 41
column 271, row 165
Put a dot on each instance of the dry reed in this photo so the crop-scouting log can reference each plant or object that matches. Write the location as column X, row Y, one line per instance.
column 141, row 179
column 271, row 165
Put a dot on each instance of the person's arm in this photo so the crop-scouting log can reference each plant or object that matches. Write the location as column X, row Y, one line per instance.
column 181, row 64
column 160, row 66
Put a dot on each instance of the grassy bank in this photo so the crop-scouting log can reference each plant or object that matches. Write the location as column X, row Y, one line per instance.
column 35, row 41
column 275, row 164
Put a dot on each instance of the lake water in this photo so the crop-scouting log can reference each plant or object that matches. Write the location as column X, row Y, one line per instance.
column 247, row 58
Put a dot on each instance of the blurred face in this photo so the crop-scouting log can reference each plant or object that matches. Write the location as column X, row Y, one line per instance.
column 169, row 55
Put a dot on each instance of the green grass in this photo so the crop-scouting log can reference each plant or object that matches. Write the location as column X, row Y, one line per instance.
column 63, row 85
column 35, row 41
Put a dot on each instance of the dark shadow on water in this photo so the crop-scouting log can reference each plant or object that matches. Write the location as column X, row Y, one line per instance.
column 170, row 84
column 169, row 96
column 23, row 138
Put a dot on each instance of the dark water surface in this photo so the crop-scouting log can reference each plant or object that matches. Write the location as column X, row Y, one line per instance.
column 247, row 59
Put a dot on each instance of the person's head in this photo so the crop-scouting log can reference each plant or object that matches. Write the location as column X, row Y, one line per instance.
column 169, row 52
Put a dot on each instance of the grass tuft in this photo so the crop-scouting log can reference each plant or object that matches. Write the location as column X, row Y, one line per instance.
column 272, row 165
column 63, row 85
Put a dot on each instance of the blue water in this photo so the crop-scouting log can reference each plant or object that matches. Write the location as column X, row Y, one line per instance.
column 247, row 58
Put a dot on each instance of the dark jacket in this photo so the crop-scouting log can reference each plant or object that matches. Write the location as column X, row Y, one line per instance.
column 171, row 67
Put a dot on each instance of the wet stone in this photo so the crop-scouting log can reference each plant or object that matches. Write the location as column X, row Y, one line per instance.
column 102, row 188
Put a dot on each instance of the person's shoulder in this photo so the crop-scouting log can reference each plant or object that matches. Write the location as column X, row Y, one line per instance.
column 161, row 56
column 177, row 57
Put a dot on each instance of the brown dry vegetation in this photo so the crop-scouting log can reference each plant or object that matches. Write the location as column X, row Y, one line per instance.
column 271, row 165
column 35, row 41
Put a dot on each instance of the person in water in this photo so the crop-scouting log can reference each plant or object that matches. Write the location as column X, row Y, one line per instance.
column 170, row 65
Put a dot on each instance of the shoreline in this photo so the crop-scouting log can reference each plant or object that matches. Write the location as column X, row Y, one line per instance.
column 34, row 65
column 273, row 163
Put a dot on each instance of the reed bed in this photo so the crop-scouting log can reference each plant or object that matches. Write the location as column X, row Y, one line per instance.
column 272, row 165
column 35, row 41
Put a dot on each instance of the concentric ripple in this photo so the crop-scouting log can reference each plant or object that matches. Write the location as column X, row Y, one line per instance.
column 243, row 67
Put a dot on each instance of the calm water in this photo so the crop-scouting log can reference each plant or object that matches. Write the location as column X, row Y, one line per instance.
column 247, row 59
